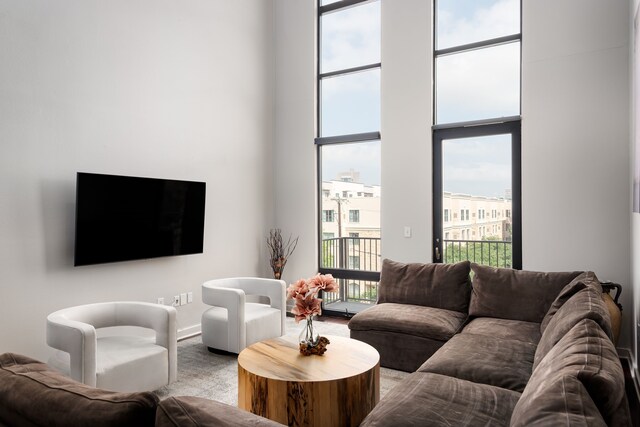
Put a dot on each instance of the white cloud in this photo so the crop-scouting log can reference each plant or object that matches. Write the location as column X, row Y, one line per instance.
column 351, row 37
column 362, row 157
column 499, row 19
column 478, row 166
column 484, row 83
column 479, row 84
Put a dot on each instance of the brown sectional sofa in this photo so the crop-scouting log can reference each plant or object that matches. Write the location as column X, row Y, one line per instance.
column 517, row 348
column 533, row 349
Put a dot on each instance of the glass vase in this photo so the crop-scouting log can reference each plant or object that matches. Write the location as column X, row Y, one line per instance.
column 308, row 335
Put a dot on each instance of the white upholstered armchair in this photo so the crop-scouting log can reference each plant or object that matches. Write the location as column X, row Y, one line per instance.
column 120, row 363
column 233, row 323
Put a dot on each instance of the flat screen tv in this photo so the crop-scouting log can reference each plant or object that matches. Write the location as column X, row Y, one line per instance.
column 121, row 218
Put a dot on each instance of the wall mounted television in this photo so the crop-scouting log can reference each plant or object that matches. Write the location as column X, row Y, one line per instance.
column 122, row 218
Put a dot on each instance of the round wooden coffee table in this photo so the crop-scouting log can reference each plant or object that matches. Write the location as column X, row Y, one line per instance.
column 338, row 388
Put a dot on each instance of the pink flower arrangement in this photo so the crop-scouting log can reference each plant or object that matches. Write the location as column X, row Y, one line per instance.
column 305, row 295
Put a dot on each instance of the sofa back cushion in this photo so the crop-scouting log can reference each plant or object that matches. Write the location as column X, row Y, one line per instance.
column 586, row 279
column 445, row 286
column 32, row 394
column 580, row 380
column 515, row 294
column 587, row 303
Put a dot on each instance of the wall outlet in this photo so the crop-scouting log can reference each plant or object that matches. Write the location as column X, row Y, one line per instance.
column 189, row 297
column 176, row 300
column 183, row 299
column 161, row 301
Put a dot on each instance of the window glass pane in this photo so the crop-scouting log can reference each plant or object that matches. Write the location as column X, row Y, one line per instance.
column 476, row 177
column 478, row 84
column 467, row 21
column 323, row 2
column 350, row 37
column 351, row 189
column 350, row 103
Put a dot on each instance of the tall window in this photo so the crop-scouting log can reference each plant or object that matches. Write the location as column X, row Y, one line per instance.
column 348, row 144
column 476, row 136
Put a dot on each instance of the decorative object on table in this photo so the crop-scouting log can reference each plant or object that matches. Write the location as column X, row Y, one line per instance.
column 318, row 349
column 279, row 251
column 307, row 304
column 614, row 307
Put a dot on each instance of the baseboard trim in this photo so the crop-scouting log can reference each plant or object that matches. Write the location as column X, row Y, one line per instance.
column 189, row 332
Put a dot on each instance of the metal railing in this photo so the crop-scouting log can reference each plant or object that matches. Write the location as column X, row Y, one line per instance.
column 352, row 253
column 494, row 253
column 355, row 254
column 356, row 291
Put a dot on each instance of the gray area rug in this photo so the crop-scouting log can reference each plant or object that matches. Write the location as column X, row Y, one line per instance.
column 215, row 376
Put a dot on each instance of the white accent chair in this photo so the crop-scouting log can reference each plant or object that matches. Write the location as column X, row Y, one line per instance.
column 123, row 363
column 233, row 323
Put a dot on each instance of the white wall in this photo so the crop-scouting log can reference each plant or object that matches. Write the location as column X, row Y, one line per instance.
column 147, row 88
column 575, row 141
column 295, row 155
column 406, row 130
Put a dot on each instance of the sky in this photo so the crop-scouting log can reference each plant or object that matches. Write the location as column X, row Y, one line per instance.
column 487, row 81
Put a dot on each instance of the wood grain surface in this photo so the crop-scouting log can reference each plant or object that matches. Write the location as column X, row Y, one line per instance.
column 338, row 388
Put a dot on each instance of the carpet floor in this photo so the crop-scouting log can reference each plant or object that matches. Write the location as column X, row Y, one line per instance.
column 215, row 376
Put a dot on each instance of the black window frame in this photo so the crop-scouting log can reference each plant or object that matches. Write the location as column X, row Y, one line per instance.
column 442, row 133
column 476, row 128
column 320, row 141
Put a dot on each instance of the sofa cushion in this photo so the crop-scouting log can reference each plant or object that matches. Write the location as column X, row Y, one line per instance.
column 563, row 401
column 515, row 294
column 588, row 278
column 397, row 350
column 445, row 286
column 33, row 394
column 581, row 378
column 504, row 329
column 484, row 359
column 186, row 411
column 436, row 400
column 585, row 304
column 427, row 322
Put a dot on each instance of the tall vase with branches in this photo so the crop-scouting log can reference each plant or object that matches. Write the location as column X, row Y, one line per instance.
column 279, row 250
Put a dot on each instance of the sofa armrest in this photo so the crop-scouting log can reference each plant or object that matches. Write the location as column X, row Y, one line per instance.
column 80, row 341
column 233, row 300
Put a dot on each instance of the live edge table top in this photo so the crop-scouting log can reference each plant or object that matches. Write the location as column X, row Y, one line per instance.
column 338, row 388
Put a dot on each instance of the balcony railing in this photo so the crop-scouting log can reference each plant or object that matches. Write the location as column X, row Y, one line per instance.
column 353, row 291
column 494, row 253
column 352, row 253
column 356, row 254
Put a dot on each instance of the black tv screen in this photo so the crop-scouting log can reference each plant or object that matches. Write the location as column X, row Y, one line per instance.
column 121, row 218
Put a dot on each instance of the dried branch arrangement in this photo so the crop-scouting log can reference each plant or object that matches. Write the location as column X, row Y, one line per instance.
column 279, row 250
